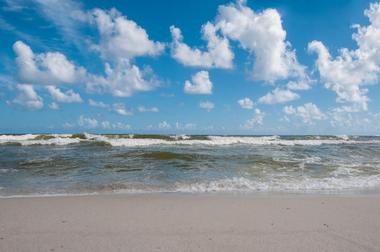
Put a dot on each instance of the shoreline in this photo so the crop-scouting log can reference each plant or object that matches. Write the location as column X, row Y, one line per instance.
column 191, row 222
column 373, row 192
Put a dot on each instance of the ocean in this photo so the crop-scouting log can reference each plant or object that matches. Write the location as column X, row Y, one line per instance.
column 61, row 164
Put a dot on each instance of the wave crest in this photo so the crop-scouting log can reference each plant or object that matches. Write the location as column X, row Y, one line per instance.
column 151, row 140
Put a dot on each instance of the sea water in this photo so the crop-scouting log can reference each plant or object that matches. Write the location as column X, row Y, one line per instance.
column 88, row 163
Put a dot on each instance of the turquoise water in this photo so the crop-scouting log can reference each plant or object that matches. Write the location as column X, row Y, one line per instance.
column 76, row 164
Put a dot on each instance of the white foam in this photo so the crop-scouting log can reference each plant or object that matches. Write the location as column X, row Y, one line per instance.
column 305, row 184
column 29, row 139
column 243, row 185
column 4, row 170
column 229, row 140
column 129, row 141
column 52, row 141
column 15, row 138
column 343, row 137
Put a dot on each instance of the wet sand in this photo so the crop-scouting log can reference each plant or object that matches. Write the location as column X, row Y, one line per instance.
column 175, row 222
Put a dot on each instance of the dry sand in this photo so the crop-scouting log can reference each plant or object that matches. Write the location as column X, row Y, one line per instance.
column 174, row 222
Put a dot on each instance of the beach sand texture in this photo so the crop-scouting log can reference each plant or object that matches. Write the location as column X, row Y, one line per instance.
column 182, row 222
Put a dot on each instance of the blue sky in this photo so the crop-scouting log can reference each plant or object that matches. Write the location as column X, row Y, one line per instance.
column 200, row 67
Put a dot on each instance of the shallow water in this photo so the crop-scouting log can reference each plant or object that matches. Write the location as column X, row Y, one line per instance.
column 85, row 163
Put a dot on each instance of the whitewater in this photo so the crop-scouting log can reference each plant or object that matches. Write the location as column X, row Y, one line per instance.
column 61, row 164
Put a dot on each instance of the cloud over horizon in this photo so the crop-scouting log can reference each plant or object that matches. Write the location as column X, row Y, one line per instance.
column 247, row 58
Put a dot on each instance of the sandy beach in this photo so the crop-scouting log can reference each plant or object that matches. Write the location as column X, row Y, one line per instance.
column 177, row 222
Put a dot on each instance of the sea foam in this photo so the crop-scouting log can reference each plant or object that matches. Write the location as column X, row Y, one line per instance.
column 134, row 141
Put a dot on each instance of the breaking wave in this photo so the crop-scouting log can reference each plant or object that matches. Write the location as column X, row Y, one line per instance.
column 95, row 163
column 150, row 140
column 241, row 184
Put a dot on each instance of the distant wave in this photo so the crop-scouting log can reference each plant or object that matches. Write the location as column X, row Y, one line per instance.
column 148, row 140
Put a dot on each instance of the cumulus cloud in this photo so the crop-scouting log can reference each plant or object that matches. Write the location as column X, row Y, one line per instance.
column 246, row 103
column 262, row 34
column 123, row 80
column 52, row 68
column 118, row 108
column 27, row 97
column 121, row 37
column 207, row 105
column 200, row 84
column 308, row 112
column 87, row 122
column 120, row 41
column 121, row 109
column 278, row 96
column 256, row 120
column 164, row 125
column 185, row 126
column 218, row 54
column 65, row 97
column 351, row 70
column 54, row 106
column 299, row 85
column 97, row 104
column 146, row 109
column 92, row 123
column 115, row 126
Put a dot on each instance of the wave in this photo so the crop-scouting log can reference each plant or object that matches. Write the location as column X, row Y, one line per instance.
column 159, row 155
column 280, row 184
column 235, row 185
column 30, row 139
column 151, row 140
column 304, row 185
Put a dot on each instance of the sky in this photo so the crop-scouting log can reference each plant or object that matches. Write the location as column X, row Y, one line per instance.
column 190, row 67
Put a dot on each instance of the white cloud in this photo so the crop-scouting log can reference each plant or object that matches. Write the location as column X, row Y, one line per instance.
column 120, row 41
column 121, row 37
column 54, row 106
column 66, row 97
column 262, row 34
column 186, row 126
column 200, row 84
column 341, row 119
column 87, row 122
column 278, row 96
column 115, row 126
column 118, row 108
column 66, row 15
column 207, row 105
column 308, row 112
column 50, row 68
column 145, row 109
column 352, row 69
column 97, row 104
column 92, row 123
column 218, row 54
column 121, row 109
column 246, row 103
column 256, row 120
column 164, row 125
column 123, row 80
column 299, row 85
column 27, row 97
